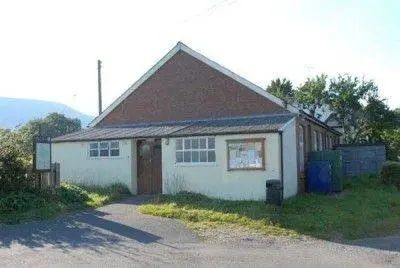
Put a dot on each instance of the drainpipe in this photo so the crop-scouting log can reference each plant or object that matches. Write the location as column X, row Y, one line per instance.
column 281, row 154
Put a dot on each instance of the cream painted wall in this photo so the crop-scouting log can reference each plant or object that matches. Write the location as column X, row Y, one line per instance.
column 77, row 166
column 214, row 179
column 289, row 160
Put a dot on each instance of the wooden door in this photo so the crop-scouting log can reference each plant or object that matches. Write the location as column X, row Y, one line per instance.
column 149, row 167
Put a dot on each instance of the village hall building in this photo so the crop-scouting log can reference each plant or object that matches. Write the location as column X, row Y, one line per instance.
column 190, row 124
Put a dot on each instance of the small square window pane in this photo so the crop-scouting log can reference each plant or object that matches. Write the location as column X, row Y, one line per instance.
column 211, row 156
column 195, row 156
column 103, row 152
column 94, row 153
column 211, row 143
column 187, row 157
column 114, row 152
column 114, row 145
column 179, row 144
column 195, row 144
column 203, row 156
column 94, row 145
column 203, row 143
column 103, row 145
column 179, row 157
column 187, row 144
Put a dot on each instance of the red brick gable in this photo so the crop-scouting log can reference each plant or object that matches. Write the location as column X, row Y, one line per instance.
column 186, row 88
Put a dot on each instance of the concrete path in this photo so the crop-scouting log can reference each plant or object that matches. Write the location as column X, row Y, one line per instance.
column 117, row 235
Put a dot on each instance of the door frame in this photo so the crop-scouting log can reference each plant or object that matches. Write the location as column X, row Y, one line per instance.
column 155, row 170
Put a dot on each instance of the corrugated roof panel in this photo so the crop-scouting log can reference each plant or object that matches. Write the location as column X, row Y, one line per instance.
column 259, row 123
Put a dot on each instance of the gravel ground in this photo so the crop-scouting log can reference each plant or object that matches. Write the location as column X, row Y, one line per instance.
column 117, row 235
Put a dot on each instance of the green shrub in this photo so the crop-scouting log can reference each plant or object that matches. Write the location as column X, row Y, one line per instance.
column 14, row 174
column 70, row 193
column 390, row 174
column 21, row 201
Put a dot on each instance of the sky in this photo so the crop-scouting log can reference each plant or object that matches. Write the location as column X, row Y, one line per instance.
column 49, row 49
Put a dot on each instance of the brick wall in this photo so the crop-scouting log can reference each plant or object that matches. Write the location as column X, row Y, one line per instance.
column 186, row 88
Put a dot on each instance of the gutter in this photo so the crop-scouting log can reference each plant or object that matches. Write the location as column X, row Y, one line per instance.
column 171, row 135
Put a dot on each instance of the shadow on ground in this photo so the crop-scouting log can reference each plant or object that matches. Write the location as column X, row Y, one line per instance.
column 86, row 229
column 391, row 243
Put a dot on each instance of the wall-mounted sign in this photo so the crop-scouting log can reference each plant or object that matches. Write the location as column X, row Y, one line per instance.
column 42, row 155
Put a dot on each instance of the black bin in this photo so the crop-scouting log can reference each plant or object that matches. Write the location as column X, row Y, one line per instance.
column 273, row 191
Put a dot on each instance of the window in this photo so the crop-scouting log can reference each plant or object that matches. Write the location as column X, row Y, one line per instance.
column 104, row 149
column 94, row 149
column 320, row 145
column 195, row 150
column 246, row 154
column 315, row 141
column 301, row 148
column 114, row 148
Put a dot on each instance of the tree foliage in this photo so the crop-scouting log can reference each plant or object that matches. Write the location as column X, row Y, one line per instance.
column 282, row 88
column 345, row 97
column 16, row 149
column 376, row 118
column 53, row 125
column 364, row 116
column 13, row 165
column 392, row 139
column 312, row 95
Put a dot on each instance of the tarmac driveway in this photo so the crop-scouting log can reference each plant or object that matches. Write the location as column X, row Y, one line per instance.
column 117, row 235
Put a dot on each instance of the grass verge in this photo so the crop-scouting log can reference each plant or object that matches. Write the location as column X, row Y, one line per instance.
column 23, row 206
column 363, row 209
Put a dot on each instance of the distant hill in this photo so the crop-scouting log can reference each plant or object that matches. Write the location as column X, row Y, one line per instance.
column 15, row 112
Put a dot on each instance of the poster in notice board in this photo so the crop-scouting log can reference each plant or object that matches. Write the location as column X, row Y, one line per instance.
column 42, row 155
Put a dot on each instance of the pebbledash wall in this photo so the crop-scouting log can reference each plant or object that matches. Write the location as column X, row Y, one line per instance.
column 289, row 137
column 214, row 179
column 76, row 165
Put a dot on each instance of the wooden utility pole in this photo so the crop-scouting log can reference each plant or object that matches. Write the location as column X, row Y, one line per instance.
column 99, row 83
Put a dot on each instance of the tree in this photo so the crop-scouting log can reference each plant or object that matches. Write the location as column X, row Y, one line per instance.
column 345, row 97
column 312, row 95
column 392, row 139
column 282, row 88
column 53, row 125
column 13, row 165
column 376, row 118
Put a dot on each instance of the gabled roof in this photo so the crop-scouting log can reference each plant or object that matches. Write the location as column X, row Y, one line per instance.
column 182, row 47
column 220, row 126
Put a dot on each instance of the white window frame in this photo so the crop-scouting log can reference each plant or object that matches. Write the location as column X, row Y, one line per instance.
column 94, row 149
column 112, row 145
column 183, row 150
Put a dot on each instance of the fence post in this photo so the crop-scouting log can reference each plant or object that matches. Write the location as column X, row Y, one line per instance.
column 56, row 174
